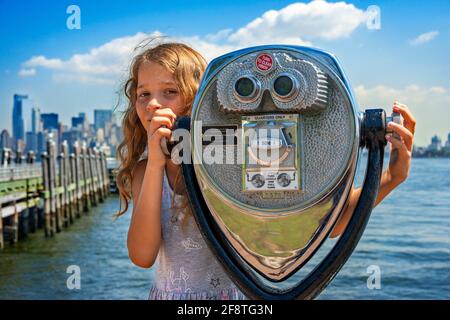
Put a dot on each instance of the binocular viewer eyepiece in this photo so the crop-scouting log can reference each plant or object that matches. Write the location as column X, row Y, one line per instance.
column 287, row 170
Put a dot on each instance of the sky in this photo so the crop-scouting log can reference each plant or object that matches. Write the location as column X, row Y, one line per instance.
column 69, row 71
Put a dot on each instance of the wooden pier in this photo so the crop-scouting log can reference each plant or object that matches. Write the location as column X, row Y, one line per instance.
column 52, row 193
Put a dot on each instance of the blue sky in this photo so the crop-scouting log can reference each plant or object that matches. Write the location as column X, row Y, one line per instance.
column 407, row 59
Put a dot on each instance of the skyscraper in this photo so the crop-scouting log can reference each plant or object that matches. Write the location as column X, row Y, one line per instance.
column 80, row 120
column 101, row 118
column 17, row 125
column 436, row 143
column 5, row 139
column 31, row 142
column 49, row 121
column 35, row 120
column 77, row 121
column 41, row 142
column 32, row 136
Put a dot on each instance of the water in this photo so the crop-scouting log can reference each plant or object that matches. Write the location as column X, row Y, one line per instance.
column 408, row 238
column 36, row 268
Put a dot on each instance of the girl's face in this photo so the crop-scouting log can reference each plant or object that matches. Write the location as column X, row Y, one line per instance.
column 156, row 89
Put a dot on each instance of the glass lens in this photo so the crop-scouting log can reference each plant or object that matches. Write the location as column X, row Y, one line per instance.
column 244, row 87
column 283, row 85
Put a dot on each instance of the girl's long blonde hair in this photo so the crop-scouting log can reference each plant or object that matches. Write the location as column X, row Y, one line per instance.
column 187, row 67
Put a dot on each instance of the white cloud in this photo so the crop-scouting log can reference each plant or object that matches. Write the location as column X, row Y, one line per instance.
column 219, row 36
column 109, row 62
column 430, row 106
column 424, row 38
column 27, row 72
column 298, row 24
column 97, row 66
column 41, row 61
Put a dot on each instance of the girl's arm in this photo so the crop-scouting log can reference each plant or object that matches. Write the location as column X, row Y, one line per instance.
column 399, row 165
column 144, row 233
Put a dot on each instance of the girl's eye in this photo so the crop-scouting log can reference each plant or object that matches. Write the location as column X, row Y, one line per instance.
column 171, row 91
column 142, row 97
column 143, row 94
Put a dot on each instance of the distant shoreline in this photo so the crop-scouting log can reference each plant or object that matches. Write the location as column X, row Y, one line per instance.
column 417, row 156
column 445, row 153
column 430, row 156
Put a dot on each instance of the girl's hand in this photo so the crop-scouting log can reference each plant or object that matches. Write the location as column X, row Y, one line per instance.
column 401, row 148
column 160, row 125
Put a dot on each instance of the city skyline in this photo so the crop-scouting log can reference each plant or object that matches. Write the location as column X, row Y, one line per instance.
column 103, row 133
column 29, row 119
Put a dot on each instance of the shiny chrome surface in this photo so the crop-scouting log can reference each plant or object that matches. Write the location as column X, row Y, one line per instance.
column 275, row 242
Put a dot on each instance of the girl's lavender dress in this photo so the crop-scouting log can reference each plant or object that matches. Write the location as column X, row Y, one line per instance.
column 186, row 268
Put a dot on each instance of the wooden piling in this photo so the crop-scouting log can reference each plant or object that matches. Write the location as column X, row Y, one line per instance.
column 90, row 168
column 101, row 177
column 32, row 195
column 73, row 182
column 60, row 193
column 63, row 183
column 92, row 177
column 79, row 182
column 46, row 195
column 69, row 183
column 54, row 202
column 102, row 173
column 86, row 178
column 95, row 173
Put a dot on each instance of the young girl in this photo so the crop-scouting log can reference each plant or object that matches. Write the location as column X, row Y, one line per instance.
column 162, row 85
